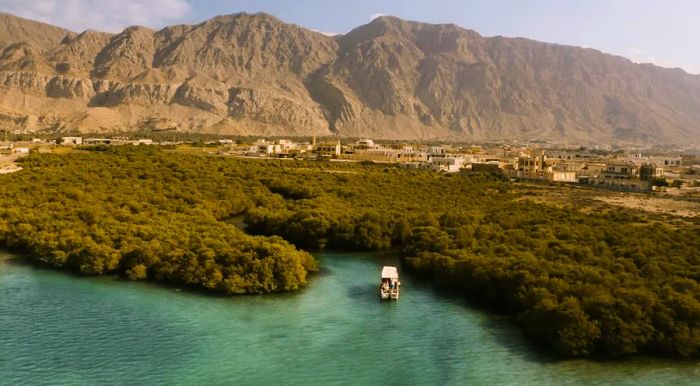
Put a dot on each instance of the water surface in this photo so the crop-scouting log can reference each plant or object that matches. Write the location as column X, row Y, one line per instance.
column 60, row 329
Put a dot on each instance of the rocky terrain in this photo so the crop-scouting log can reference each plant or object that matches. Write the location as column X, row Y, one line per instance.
column 254, row 74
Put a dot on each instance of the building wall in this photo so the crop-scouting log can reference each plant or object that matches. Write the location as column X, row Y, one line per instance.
column 72, row 140
column 373, row 155
column 561, row 176
column 486, row 168
column 621, row 184
column 411, row 156
column 650, row 171
column 448, row 164
column 329, row 149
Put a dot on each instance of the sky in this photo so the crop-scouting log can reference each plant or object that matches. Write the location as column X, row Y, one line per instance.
column 663, row 32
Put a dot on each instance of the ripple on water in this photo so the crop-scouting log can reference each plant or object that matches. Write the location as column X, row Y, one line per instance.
column 58, row 329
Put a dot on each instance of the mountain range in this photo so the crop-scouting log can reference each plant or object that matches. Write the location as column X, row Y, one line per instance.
column 252, row 74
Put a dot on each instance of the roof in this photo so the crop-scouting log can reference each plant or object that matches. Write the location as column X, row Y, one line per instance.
column 390, row 273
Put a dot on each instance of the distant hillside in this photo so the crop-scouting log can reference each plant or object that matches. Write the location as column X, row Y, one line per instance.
column 14, row 29
column 253, row 74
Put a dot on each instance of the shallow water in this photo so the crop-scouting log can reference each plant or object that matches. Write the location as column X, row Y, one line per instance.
column 60, row 329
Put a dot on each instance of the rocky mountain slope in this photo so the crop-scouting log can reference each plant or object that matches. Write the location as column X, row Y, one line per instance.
column 253, row 74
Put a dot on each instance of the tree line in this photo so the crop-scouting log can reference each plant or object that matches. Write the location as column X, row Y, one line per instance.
column 610, row 282
column 144, row 214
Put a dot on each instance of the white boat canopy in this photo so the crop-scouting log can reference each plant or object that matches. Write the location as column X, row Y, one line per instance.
column 390, row 273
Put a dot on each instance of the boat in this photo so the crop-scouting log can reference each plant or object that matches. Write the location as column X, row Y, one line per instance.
column 389, row 288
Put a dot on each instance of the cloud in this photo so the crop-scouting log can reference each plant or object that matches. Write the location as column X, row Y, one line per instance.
column 635, row 51
column 375, row 15
column 102, row 15
column 639, row 55
column 331, row 34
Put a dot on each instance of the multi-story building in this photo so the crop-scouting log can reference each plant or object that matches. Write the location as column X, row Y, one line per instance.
column 447, row 164
column 620, row 171
column 437, row 151
column 667, row 162
column 404, row 156
column 6, row 149
column 621, row 175
column 328, row 149
column 531, row 166
column 648, row 172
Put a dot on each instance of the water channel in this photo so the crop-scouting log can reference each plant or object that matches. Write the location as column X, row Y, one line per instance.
column 56, row 328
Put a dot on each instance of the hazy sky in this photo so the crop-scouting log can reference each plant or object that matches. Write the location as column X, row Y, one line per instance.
column 666, row 32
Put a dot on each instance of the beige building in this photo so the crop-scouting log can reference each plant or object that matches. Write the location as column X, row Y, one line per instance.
column 376, row 155
column 329, row 149
column 648, row 172
column 412, row 156
column 620, row 171
column 532, row 165
column 561, row 176
column 622, row 184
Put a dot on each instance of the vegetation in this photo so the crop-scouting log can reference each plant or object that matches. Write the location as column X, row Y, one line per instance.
column 660, row 182
column 609, row 282
column 144, row 214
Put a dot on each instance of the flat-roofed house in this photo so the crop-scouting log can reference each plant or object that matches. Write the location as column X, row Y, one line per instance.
column 72, row 141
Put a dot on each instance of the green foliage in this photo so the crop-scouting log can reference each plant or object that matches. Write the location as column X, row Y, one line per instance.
column 660, row 182
column 582, row 283
column 610, row 282
column 146, row 214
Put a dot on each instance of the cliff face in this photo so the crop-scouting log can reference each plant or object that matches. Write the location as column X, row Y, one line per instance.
column 253, row 74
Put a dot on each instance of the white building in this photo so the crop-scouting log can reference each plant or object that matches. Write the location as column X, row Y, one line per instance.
column 437, row 150
column 448, row 164
column 97, row 141
column 264, row 147
column 365, row 144
column 667, row 162
column 72, row 141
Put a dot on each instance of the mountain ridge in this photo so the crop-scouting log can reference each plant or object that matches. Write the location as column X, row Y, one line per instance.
column 391, row 78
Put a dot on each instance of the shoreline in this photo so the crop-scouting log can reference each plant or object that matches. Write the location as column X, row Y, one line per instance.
column 425, row 283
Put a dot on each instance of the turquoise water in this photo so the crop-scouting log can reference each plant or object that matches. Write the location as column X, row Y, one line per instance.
column 59, row 329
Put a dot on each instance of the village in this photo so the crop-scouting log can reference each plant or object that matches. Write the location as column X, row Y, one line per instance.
column 617, row 170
